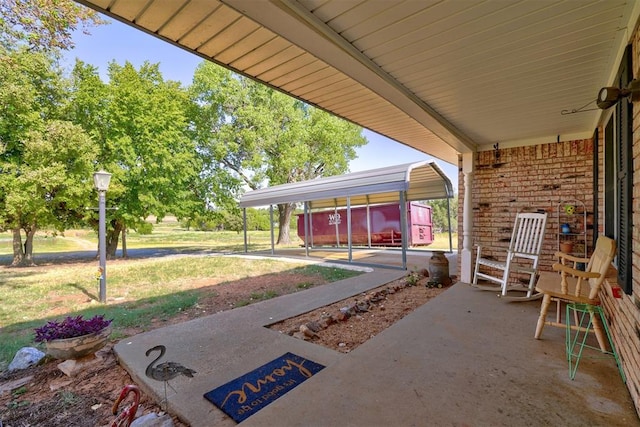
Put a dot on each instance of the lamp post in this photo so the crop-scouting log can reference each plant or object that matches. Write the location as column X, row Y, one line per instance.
column 101, row 181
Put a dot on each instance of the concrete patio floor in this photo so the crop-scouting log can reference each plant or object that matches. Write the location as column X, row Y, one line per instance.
column 465, row 358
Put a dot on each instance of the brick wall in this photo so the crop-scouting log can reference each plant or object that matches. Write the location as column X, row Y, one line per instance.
column 511, row 180
column 539, row 177
column 624, row 314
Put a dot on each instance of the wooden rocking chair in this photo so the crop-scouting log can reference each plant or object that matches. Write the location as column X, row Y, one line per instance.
column 523, row 256
column 575, row 286
column 579, row 290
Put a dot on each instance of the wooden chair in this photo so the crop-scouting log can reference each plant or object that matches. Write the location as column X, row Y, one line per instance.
column 523, row 256
column 576, row 286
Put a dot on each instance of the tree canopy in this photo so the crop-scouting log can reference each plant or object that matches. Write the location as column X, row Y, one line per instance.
column 186, row 151
column 44, row 160
column 139, row 123
column 440, row 214
column 258, row 136
column 43, row 25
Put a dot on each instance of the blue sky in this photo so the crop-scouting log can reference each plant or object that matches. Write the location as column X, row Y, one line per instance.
column 118, row 42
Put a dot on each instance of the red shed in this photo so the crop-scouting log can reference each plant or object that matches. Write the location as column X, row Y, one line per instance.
column 377, row 225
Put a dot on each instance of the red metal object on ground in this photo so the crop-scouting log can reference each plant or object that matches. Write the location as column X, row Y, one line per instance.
column 326, row 227
column 128, row 414
column 616, row 291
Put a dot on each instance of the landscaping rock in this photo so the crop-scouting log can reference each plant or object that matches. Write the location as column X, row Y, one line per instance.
column 325, row 322
column 25, row 357
column 72, row 367
column 308, row 331
column 348, row 323
column 314, row 326
column 153, row 420
column 300, row 336
column 12, row 385
column 341, row 317
column 362, row 307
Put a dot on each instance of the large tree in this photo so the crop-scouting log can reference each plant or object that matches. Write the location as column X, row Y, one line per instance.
column 138, row 120
column 50, row 187
column 43, row 25
column 440, row 213
column 37, row 192
column 265, row 137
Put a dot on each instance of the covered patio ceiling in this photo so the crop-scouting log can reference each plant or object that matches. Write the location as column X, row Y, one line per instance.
column 418, row 181
column 443, row 77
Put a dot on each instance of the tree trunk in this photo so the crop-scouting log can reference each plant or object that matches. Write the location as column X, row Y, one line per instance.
column 284, row 219
column 112, row 238
column 124, row 242
column 28, row 246
column 18, row 250
column 23, row 254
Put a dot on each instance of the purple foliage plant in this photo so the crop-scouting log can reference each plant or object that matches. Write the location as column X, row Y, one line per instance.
column 71, row 327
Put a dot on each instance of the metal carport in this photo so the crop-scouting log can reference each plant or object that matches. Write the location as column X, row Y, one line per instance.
column 393, row 184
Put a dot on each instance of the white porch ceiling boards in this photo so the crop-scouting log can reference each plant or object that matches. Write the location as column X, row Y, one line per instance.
column 444, row 77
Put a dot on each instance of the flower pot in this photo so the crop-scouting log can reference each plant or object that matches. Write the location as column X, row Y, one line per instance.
column 77, row 347
column 566, row 247
column 590, row 219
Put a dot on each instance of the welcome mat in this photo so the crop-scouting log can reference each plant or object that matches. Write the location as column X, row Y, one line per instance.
column 251, row 392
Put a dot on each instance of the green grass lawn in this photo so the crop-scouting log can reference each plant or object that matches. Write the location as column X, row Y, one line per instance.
column 170, row 234
column 441, row 242
column 164, row 235
column 138, row 291
column 44, row 243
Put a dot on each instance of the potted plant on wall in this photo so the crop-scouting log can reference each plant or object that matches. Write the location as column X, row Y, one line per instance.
column 74, row 337
column 566, row 247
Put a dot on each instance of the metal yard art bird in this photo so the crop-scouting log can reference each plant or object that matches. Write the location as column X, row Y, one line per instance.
column 125, row 418
column 165, row 371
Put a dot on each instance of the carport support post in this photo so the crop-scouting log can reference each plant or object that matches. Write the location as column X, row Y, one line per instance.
column 403, row 228
column 310, row 226
column 271, row 228
column 244, row 222
column 336, row 223
column 449, row 223
column 306, row 229
column 349, row 228
column 368, row 224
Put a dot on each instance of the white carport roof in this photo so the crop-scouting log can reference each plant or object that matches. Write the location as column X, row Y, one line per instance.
column 421, row 181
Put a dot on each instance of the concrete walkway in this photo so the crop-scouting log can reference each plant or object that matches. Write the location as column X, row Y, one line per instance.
column 463, row 359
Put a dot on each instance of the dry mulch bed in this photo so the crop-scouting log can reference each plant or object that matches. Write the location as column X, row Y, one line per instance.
column 346, row 324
